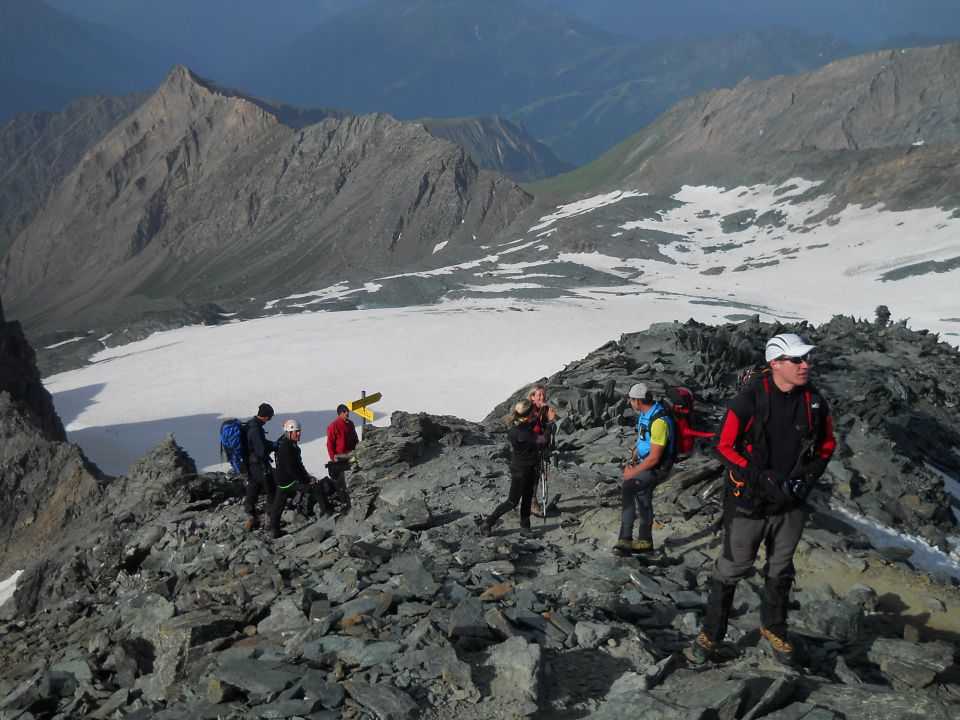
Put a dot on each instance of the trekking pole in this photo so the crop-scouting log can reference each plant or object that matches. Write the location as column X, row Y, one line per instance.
column 544, row 470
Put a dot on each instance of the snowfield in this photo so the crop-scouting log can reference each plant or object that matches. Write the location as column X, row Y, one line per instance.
column 463, row 356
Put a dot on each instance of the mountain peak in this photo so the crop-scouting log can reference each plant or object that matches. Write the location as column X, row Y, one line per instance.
column 182, row 80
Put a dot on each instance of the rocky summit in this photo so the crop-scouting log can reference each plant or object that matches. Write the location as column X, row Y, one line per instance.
column 156, row 603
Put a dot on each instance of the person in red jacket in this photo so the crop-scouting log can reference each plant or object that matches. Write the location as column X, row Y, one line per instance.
column 341, row 434
column 341, row 440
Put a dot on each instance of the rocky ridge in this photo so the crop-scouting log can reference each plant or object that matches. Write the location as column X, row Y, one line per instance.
column 202, row 194
column 879, row 127
column 497, row 144
column 157, row 604
column 39, row 149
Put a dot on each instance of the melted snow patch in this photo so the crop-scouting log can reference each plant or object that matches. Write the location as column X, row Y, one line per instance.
column 925, row 556
column 332, row 292
column 581, row 207
column 64, row 342
column 9, row 586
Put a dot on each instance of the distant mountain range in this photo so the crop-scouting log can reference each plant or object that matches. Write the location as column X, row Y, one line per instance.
column 864, row 22
column 206, row 194
column 49, row 58
column 578, row 88
column 573, row 86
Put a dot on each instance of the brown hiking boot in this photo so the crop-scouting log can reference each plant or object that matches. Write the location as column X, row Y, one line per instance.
column 535, row 508
column 701, row 649
column 782, row 648
column 251, row 523
column 623, row 546
column 641, row 546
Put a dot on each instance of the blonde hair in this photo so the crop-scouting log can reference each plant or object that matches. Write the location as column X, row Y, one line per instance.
column 521, row 409
column 545, row 411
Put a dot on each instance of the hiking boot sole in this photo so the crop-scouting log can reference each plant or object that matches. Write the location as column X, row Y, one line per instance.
column 695, row 658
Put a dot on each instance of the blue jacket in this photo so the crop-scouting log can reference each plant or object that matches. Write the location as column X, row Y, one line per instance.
column 644, row 421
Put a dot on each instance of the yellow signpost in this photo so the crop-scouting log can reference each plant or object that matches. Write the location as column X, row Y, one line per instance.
column 363, row 412
column 360, row 406
column 364, row 401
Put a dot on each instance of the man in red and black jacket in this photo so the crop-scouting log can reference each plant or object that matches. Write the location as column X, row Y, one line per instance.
column 775, row 440
column 341, row 434
column 341, row 440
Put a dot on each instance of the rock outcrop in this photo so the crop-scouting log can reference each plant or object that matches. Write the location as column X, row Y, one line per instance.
column 45, row 481
column 159, row 603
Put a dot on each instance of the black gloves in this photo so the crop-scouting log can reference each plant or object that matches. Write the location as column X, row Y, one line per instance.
column 801, row 487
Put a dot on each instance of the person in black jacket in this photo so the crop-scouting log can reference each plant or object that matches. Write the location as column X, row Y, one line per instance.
column 259, row 476
column 291, row 475
column 775, row 440
column 524, row 466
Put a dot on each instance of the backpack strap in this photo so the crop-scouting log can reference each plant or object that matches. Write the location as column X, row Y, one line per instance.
column 663, row 414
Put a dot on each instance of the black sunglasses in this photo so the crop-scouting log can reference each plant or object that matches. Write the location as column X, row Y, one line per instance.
column 796, row 360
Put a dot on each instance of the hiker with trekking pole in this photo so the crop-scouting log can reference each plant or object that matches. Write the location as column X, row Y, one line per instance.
column 543, row 425
column 526, row 446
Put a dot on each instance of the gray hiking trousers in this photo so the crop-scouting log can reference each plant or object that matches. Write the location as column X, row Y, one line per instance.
column 741, row 543
column 637, row 505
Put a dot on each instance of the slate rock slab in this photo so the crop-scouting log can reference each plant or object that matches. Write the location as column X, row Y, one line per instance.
column 628, row 697
column 518, row 669
column 909, row 664
column 384, row 701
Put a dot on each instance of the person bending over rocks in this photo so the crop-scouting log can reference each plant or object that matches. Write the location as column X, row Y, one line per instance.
column 775, row 440
column 543, row 424
column 259, row 475
column 525, row 445
column 650, row 464
column 292, row 476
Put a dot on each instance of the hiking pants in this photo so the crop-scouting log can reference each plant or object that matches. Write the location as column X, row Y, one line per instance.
column 279, row 504
column 259, row 482
column 741, row 543
column 318, row 494
column 523, row 482
column 637, row 504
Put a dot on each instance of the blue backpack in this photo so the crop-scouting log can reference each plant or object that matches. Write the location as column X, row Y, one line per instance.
column 233, row 444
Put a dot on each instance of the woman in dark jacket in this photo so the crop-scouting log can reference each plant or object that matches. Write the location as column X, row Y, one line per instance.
column 525, row 445
column 543, row 424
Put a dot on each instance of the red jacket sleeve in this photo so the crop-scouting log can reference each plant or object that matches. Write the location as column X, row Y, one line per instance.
column 727, row 440
column 332, row 433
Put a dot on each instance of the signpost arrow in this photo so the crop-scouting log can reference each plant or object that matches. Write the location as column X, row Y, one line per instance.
column 364, row 413
column 364, row 401
column 360, row 406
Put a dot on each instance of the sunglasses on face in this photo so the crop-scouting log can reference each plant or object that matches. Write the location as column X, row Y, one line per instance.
column 795, row 360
